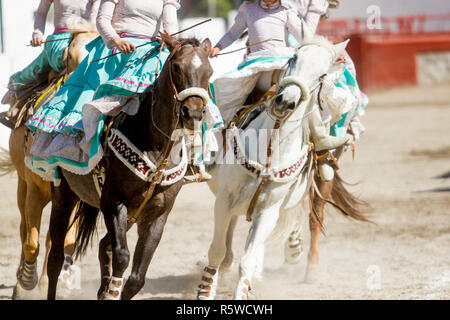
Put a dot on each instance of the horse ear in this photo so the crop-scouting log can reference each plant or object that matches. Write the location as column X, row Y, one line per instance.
column 306, row 32
column 340, row 47
column 206, row 45
column 169, row 41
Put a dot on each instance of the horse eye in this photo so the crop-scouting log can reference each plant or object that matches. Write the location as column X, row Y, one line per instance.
column 176, row 68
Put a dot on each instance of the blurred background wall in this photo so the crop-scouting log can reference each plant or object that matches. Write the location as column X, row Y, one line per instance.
column 408, row 42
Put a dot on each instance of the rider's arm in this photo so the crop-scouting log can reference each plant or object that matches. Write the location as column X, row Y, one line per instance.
column 104, row 25
column 294, row 25
column 316, row 9
column 169, row 17
column 92, row 9
column 239, row 26
column 40, row 18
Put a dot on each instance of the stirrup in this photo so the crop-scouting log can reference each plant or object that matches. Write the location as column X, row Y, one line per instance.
column 202, row 176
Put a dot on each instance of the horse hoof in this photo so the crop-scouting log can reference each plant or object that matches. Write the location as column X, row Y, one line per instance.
column 14, row 294
column 43, row 285
column 242, row 289
column 20, row 293
column 227, row 264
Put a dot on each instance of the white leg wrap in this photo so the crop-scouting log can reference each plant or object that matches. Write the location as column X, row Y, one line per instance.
column 28, row 276
column 293, row 250
column 242, row 289
column 66, row 271
column 208, row 286
column 114, row 290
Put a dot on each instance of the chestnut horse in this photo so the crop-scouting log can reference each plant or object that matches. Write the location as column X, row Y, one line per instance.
column 33, row 193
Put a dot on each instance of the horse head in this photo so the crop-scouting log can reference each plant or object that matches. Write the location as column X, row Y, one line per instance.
column 189, row 73
column 75, row 53
column 312, row 60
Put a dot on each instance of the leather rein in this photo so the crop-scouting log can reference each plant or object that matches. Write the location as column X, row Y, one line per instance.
column 160, row 169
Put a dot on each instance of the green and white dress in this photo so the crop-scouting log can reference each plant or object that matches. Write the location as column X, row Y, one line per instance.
column 67, row 129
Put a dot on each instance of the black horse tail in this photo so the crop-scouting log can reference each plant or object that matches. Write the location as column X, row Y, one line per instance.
column 354, row 207
column 86, row 216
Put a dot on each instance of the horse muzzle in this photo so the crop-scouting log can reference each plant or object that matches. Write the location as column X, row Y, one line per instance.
column 192, row 104
column 293, row 91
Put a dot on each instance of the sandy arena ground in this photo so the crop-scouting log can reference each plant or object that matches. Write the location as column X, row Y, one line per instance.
column 402, row 164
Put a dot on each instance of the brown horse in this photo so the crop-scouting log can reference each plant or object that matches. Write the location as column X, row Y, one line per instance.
column 33, row 193
column 176, row 100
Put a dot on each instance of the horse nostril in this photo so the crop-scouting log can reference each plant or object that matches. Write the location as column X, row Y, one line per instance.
column 185, row 111
column 291, row 106
column 278, row 99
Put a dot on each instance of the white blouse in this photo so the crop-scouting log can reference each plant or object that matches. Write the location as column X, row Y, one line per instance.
column 136, row 17
column 66, row 12
column 309, row 10
column 263, row 24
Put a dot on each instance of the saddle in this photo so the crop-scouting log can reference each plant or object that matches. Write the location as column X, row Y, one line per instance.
column 31, row 97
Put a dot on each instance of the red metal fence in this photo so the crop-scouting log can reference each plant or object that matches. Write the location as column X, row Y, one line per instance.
column 389, row 25
column 387, row 57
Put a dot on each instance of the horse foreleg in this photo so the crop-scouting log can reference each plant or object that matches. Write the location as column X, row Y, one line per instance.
column 105, row 259
column 43, row 281
column 148, row 241
column 21, row 197
column 318, row 204
column 63, row 199
column 217, row 250
column 115, row 216
column 36, row 200
column 227, row 262
column 262, row 227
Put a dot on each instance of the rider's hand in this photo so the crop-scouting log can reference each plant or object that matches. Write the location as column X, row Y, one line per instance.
column 36, row 41
column 124, row 46
column 214, row 52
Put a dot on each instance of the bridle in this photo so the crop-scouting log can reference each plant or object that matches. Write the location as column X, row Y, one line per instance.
column 188, row 92
column 305, row 90
column 179, row 96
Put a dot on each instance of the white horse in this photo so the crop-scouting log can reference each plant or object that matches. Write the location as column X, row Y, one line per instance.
column 282, row 174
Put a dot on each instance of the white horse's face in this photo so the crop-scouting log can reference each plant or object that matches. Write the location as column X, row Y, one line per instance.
column 310, row 63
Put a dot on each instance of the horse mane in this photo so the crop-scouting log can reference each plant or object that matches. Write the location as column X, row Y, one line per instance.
column 192, row 41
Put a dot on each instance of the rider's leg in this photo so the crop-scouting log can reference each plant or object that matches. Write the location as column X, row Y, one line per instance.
column 323, row 142
column 320, row 136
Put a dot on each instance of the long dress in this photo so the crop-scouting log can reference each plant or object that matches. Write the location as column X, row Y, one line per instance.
column 67, row 129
